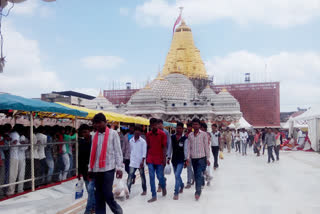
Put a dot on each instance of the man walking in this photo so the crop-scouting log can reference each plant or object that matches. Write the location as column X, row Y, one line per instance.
column 228, row 138
column 168, row 150
column 277, row 144
column 257, row 142
column 179, row 155
column 156, row 158
column 244, row 137
column 215, row 145
column 190, row 175
column 198, row 154
column 138, row 148
column 270, row 140
column 126, row 150
column 83, row 162
column 105, row 160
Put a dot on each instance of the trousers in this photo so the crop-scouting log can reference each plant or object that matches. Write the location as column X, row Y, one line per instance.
column 132, row 172
column 50, row 164
column 199, row 166
column 277, row 151
column 215, row 152
column 156, row 169
column 177, row 173
column 238, row 147
column 244, row 147
column 66, row 165
column 91, row 202
column 270, row 155
column 229, row 145
column 103, row 184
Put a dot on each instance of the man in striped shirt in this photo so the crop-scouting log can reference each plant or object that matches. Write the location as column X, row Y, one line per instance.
column 198, row 154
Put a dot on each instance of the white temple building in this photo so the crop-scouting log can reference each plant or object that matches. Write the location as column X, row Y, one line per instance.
column 182, row 90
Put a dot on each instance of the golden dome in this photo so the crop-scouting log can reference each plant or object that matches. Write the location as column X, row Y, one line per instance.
column 183, row 57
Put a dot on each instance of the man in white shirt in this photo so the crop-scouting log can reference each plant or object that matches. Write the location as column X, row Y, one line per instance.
column 215, row 144
column 243, row 137
column 14, row 158
column 105, row 160
column 22, row 160
column 138, row 148
column 27, row 185
column 41, row 144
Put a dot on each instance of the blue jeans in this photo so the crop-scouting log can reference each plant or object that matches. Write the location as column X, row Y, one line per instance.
column 91, row 202
column 177, row 173
column 244, row 147
column 153, row 168
column 50, row 164
column 132, row 172
column 199, row 166
column 103, row 194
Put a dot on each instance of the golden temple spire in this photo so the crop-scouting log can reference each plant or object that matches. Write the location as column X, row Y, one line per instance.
column 159, row 77
column 224, row 90
column 183, row 56
column 100, row 93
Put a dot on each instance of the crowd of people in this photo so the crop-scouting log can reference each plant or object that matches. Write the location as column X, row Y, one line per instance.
column 134, row 150
column 53, row 154
column 105, row 154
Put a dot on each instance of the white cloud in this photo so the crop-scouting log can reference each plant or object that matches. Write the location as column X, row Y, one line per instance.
column 280, row 13
column 89, row 91
column 32, row 7
column 298, row 73
column 24, row 74
column 124, row 11
column 102, row 62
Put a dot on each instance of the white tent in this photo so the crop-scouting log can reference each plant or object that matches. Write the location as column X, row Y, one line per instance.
column 232, row 126
column 241, row 124
column 292, row 123
column 312, row 119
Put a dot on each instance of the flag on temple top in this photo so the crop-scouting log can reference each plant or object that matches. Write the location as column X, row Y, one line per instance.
column 176, row 23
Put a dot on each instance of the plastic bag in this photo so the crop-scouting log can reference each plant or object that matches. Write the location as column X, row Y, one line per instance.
column 121, row 189
column 167, row 170
column 221, row 155
column 78, row 189
column 209, row 172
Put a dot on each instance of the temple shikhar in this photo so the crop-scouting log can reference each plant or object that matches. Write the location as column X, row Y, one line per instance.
column 182, row 90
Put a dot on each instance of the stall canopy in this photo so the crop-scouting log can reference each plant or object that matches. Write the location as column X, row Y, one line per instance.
column 167, row 124
column 241, row 124
column 312, row 118
column 13, row 102
column 111, row 116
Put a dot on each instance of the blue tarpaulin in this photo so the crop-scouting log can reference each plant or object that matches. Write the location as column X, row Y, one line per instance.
column 13, row 102
column 167, row 124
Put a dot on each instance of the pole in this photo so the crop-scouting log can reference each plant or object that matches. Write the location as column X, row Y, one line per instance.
column 31, row 152
column 77, row 146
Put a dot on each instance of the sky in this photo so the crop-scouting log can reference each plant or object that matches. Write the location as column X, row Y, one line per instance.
column 82, row 46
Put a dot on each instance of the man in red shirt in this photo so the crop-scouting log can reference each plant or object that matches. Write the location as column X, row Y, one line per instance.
column 156, row 145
